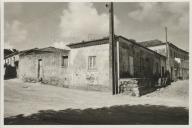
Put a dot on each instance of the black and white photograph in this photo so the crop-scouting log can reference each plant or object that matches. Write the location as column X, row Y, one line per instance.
column 96, row 63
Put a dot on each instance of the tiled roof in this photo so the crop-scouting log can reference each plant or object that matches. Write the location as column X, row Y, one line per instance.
column 52, row 49
column 151, row 43
column 43, row 50
column 104, row 40
column 89, row 43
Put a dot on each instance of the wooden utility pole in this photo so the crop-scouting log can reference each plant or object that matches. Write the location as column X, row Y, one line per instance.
column 113, row 52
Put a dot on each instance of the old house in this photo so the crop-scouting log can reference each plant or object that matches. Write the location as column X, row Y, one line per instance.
column 177, row 61
column 86, row 66
column 48, row 65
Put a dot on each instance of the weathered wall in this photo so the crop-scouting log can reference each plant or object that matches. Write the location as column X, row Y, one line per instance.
column 185, row 69
column 82, row 77
column 52, row 71
column 175, row 70
column 136, row 86
column 178, row 68
column 147, row 68
column 77, row 75
column 145, row 63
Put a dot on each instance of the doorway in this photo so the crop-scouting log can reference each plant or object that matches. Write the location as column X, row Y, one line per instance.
column 162, row 71
column 171, row 73
column 39, row 70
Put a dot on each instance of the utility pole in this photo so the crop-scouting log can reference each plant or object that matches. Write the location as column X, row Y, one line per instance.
column 112, row 52
column 168, row 53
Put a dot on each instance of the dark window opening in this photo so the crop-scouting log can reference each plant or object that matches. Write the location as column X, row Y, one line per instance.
column 162, row 71
column 64, row 63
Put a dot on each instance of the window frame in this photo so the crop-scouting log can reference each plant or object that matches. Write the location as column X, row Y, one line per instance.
column 92, row 63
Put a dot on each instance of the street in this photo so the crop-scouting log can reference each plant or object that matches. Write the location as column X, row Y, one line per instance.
column 35, row 103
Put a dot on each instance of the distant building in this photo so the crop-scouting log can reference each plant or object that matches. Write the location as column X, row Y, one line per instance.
column 177, row 61
column 12, row 59
column 87, row 66
column 11, row 65
column 8, row 51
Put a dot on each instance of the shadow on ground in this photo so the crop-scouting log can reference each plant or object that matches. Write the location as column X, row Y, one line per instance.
column 124, row 114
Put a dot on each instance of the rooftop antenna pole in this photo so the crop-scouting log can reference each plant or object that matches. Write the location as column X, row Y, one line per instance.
column 166, row 34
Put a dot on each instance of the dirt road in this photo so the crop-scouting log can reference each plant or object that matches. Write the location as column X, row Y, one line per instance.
column 30, row 98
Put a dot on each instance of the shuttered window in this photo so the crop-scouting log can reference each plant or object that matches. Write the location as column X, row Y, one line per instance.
column 92, row 62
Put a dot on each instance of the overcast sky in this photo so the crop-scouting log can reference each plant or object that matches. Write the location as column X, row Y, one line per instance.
column 29, row 25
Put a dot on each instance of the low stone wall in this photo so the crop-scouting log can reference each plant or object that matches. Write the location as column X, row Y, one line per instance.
column 65, row 82
column 136, row 86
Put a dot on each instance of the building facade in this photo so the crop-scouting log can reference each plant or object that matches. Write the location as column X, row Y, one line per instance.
column 177, row 61
column 11, row 63
column 12, row 59
column 47, row 65
column 139, row 67
column 86, row 66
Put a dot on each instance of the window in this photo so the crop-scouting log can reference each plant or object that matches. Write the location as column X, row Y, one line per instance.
column 157, row 67
column 131, row 66
column 171, row 53
column 141, row 64
column 64, row 61
column 13, row 61
column 92, row 62
column 162, row 71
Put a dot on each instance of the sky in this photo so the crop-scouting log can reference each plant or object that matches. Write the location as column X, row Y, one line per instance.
column 31, row 25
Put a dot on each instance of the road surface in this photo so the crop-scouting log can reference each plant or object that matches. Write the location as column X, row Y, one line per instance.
column 35, row 103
